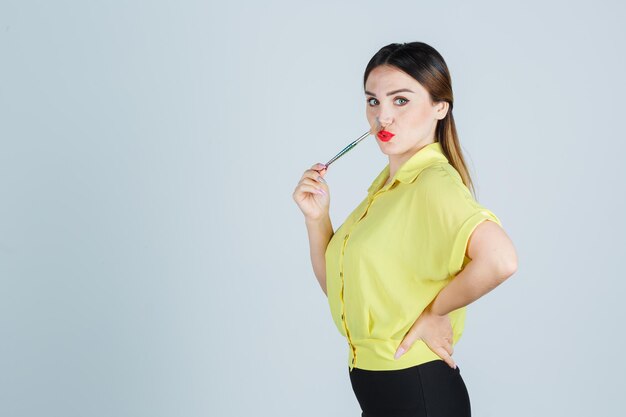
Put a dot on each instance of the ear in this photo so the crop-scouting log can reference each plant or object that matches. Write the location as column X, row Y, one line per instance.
column 441, row 109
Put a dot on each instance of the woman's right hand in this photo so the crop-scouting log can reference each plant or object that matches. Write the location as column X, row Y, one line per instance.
column 312, row 194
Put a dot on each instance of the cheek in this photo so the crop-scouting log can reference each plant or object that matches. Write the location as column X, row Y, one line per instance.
column 421, row 116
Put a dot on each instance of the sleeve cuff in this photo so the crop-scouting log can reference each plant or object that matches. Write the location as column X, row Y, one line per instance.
column 457, row 257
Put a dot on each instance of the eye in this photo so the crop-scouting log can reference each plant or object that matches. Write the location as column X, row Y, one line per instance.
column 372, row 101
column 402, row 98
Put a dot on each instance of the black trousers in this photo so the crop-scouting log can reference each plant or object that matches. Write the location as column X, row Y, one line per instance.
column 431, row 389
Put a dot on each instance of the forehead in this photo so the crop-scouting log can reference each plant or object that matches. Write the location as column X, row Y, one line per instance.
column 385, row 78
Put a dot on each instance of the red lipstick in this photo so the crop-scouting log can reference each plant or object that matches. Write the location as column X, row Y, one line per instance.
column 385, row 136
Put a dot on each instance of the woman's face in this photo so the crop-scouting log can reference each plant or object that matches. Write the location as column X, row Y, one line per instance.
column 408, row 114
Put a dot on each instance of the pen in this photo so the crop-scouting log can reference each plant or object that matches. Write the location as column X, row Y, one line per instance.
column 347, row 148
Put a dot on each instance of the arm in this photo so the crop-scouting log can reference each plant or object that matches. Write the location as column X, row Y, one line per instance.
column 493, row 260
column 320, row 232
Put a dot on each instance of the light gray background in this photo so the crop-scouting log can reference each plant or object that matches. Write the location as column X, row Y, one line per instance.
column 153, row 262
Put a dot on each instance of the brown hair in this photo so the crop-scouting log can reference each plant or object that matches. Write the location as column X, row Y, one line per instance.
column 427, row 66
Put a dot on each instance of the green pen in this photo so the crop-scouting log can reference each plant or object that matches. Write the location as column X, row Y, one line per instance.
column 347, row 148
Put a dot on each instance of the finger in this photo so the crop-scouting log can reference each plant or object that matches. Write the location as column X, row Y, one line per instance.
column 445, row 356
column 312, row 189
column 319, row 167
column 405, row 345
column 309, row 186
column 315, row 175
column 313, row 182
column 317, row 187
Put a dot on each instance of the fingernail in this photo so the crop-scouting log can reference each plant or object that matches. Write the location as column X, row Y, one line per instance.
column 399, row 353
column 319, row 178
column 320, row 191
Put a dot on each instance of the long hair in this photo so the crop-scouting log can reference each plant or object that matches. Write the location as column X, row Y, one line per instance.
column 427, row 66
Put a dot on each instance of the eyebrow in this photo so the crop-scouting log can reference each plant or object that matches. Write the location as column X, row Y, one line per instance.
column 391, row 92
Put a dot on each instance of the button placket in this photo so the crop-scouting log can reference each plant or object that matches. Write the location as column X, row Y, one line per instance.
column 345, row 240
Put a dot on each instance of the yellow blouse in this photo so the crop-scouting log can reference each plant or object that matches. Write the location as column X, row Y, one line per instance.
column 394, row 253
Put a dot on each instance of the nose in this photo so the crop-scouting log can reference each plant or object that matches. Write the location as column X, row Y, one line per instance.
column 383, row 122
column 384, row 117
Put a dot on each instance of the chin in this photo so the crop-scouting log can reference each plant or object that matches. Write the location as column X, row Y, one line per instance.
column 389, row 152
column 392, row 150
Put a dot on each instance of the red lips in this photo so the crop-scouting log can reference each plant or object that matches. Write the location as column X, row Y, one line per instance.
column 385, row 136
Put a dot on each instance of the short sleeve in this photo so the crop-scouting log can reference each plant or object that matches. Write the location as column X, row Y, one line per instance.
column 463, row 234
column 453, row 216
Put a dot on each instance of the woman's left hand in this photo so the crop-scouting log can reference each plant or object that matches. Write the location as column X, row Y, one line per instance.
column 435, row 331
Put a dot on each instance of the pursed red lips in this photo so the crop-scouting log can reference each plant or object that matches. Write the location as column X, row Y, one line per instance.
column 385, row 136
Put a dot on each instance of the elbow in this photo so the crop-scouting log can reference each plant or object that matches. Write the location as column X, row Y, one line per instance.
column 506, row 256
column 323, row 285
column 508, row 265
column 502, row 265
column 491, row 245
column 510, row 269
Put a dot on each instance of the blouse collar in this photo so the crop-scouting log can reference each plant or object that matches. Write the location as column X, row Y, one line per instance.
column 411, row 168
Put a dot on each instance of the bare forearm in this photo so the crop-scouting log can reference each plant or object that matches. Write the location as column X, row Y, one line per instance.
column 320, row 232
column 475, row 280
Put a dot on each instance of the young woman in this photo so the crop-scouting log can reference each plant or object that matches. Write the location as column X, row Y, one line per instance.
column 400, row 270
